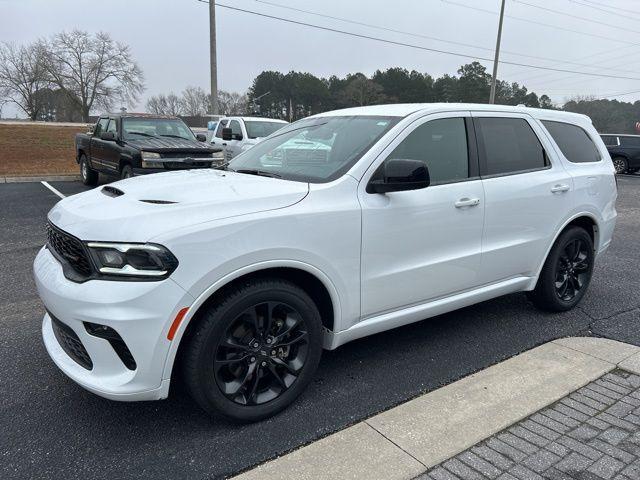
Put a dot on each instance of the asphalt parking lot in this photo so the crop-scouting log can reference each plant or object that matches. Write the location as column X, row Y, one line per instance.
column 51, row 428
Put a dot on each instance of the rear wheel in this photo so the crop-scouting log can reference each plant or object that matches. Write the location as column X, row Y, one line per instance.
column 87, row 175
column 126, row 172
column 255, row 351
column 566, row 273
column 620, row 164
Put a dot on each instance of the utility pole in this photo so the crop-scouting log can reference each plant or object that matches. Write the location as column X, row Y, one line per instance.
column 494, row 79
column 213, row 57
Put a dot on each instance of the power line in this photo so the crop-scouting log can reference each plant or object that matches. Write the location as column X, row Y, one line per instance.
column 619, row 9
column 418, row 35
column 575, row 17
column 534, row 22
column 417, row 47
column 603, row 9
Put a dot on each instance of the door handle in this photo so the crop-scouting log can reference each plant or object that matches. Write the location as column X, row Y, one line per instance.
column 467, row 202
column 560, row 188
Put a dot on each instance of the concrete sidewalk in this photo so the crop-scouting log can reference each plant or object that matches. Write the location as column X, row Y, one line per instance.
column 405, row 441
column 39, row 178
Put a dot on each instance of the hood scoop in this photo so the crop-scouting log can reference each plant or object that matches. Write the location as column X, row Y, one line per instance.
column 112, row 191
column 159, row 202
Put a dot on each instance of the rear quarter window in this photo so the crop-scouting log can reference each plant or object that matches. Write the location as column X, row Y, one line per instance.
column 576, row 144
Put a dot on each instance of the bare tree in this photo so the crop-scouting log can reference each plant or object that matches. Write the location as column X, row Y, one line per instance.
column 195, row 101
column 362, row 91
column 21, row 76
column 93, row 70
column 232, row 103
column 165, row 104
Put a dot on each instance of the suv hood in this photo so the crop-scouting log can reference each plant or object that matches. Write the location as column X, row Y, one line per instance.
column 163, row 144
column 140, row 208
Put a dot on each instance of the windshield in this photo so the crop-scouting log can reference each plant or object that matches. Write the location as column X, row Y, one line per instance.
column 155, row 127
column 260, row 128
column 314, row 150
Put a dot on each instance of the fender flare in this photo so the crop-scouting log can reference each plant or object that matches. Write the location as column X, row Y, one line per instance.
column 255, row 267
column 564, row 225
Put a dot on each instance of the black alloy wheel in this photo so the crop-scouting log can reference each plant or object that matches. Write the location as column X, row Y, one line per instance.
column 261, row 353
column 566, row 273
column 253, row 349
column 572, row 270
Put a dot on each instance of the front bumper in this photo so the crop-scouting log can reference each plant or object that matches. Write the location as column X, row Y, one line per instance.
column 140, row 312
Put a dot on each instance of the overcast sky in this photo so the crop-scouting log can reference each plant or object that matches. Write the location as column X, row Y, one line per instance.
column 169, row 39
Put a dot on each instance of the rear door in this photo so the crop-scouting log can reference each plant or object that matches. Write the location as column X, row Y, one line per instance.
column 528, row 194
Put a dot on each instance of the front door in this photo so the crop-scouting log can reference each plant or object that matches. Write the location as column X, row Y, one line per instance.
column 424, row 244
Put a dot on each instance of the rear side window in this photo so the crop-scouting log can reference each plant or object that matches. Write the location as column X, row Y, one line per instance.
column 610, row 140
column 510, row 146
column 442, row 146
column 630, row 141
column 576, row 145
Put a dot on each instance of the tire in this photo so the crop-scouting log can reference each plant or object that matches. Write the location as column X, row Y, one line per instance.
column 87, row 175
column 126, row 171
column 566, row 273
column 620, row 164
column 229, row 369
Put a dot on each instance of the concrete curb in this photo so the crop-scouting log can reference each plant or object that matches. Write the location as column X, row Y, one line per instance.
column 405, row 441
column 40, row 178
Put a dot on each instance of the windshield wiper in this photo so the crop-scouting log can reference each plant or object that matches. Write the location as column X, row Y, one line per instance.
column 140, row 133
column 174, row 136
column 262, row 173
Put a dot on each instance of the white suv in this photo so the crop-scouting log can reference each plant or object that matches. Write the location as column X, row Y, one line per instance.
column 338, row 226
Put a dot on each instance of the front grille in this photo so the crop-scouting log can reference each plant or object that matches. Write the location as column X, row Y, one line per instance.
column 186, row 155
column 71, row 344
column 187, row 164
column 69, row 249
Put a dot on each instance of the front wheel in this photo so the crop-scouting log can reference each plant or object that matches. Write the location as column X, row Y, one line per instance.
column 126, row 172
column 255, row 351
column 566, row 273
column 620, row 164
column 87, row 175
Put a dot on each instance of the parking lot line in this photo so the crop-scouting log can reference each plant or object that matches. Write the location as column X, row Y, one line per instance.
column 52, row 189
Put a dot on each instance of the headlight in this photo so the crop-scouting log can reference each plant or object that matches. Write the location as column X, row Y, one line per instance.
column 134, row 260
column 149, row 155
column 218, row 155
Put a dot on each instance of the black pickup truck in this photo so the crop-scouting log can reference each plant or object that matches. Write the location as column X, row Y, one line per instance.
column 129, row 144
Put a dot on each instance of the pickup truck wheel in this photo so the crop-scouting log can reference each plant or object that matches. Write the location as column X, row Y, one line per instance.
column 620, row 164
column 87, row 175
column 254, row 351
column 566, row 274
column 126, row 172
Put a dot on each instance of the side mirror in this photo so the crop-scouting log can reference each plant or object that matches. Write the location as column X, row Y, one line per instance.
column 227, row 134
column 399, row 175
column 109, row 136
column 201, row 137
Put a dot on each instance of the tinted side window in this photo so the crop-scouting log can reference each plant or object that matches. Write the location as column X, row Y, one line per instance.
column 630, row 141
column 442, row 146
column 101, row 126
column 113, row 127
column 575, row 144
column 235, row 127
column 221, row 125
column 510, row 146
column 610, row 140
